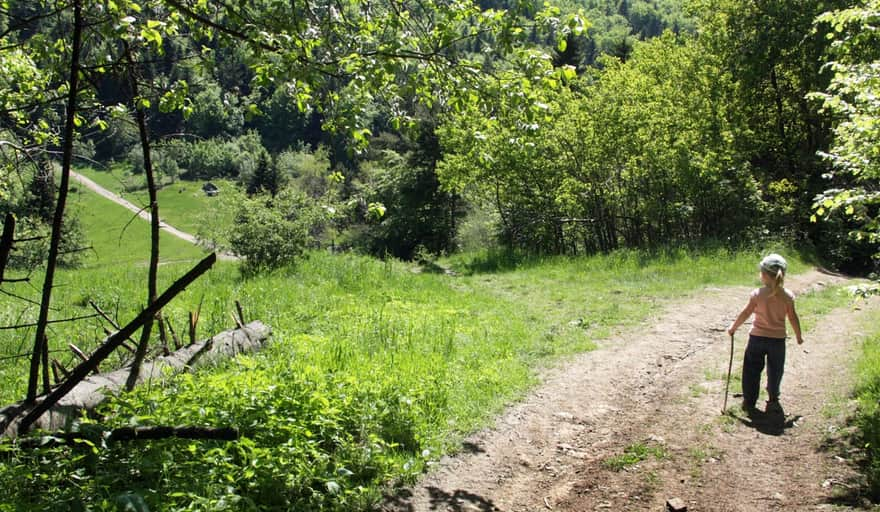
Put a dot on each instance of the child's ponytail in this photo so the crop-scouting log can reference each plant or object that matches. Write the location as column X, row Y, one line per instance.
column 778, row 282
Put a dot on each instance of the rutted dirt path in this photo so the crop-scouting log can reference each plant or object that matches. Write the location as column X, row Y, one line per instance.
column 661, row 388
column 142, row 212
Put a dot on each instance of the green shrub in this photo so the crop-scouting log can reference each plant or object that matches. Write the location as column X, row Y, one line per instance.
column 270, row 232
column 308, row 169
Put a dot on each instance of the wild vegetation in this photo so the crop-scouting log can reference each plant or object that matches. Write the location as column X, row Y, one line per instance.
column 868, row 419
column 576, row 165
column 374, row 372
column 629, row 139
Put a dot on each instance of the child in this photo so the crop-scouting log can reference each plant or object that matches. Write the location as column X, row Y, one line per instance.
column 771, row 304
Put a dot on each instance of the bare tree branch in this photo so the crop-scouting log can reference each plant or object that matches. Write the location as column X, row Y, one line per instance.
column 113, row 341
column 47, row 322
column 130, row 434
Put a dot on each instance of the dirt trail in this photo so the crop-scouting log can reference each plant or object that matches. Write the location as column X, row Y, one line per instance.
column 142, row 212
column 661, row 387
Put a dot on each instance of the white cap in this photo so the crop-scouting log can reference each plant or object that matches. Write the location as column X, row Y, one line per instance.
column 773, row 263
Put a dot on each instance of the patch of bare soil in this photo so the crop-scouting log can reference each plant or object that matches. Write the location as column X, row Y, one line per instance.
column 660, row 388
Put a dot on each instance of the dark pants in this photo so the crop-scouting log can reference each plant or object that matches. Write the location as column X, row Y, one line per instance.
column 759, row 349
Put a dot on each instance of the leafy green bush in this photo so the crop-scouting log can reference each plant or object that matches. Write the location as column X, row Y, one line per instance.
column 271, row 232
column 310, row 170
column 309, row 441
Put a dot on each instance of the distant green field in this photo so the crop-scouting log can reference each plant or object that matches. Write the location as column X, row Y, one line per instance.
column 182, row 204
column 118, row 237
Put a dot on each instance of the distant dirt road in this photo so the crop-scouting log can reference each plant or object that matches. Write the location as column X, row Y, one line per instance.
column 655, row 392
column 142, row 212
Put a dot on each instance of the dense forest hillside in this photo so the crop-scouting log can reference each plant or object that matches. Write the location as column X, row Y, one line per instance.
column 588, row 126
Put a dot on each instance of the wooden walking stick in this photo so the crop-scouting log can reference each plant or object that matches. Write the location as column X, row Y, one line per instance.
column 729, row 368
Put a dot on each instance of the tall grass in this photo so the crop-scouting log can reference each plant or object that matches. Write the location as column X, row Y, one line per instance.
column 867, row 418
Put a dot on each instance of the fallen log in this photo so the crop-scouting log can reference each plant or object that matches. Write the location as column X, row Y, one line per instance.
column 93, row 390
column 36, row 408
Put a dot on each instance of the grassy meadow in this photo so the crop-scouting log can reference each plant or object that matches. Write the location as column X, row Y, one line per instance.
column 182, row 204
column 376, row 368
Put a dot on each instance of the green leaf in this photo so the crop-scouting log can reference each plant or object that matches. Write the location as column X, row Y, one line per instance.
column 361, row 135
column 153, row 36
column 376, row 210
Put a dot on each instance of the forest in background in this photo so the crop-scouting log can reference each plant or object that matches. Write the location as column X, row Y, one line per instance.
column 634, row 124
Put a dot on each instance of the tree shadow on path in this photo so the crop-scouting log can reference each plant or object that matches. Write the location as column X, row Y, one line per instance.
column 456, row 501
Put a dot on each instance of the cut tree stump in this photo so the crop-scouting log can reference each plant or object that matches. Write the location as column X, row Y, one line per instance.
column 93, row 390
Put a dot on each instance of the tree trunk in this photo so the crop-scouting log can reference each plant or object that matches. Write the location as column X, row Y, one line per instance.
column 94, row 390
column 140, row 115
column 133, row 434
column 6, row 243
column 57, row 220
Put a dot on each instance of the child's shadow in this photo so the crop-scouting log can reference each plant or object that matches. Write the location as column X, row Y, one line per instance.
column 772, row 422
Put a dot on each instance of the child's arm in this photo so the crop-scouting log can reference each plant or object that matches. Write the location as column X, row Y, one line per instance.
column 795, row 322
column 743, row 316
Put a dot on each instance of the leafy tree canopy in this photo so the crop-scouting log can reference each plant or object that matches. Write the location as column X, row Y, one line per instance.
column 342, row 57
column 853, row 97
